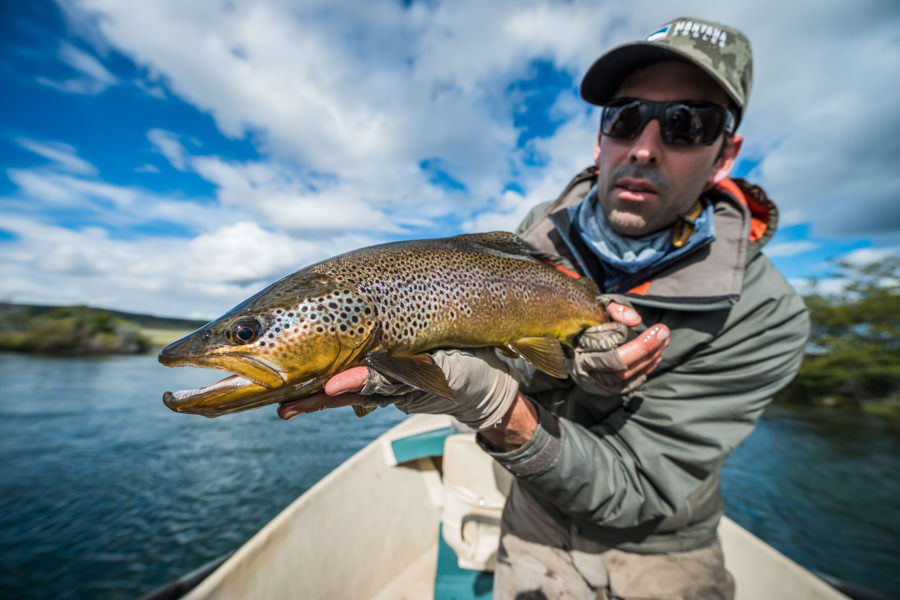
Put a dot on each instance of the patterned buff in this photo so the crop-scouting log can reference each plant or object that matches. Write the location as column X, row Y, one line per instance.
column 624, row 257
column 722, row 51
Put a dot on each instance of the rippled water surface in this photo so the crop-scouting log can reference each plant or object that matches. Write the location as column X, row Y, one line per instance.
column 105, row 493
column 823, row 487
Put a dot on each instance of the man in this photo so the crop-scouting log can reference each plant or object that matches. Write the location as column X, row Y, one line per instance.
column 616, row 491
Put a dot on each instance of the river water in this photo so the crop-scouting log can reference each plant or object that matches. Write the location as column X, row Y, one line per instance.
column 105, row 493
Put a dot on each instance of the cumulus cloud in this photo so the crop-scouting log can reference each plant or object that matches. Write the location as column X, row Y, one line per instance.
column 504, row 215
column 412, row 83
column 382, row 87
column 279, row 198
column 199, row 277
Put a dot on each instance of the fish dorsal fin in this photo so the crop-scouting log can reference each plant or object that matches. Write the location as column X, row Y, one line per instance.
column 545, row 353
column 417, row 370
column 501, row 241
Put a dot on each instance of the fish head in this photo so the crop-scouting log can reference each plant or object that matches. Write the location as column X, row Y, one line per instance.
column 282, row 343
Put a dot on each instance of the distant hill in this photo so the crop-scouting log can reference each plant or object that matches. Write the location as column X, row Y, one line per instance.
column 142, row 320
column 80, row 330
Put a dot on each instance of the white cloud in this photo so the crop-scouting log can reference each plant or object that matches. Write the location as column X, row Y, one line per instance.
column 412, row 84
column 430, row 81
column 282, row 199
column 47, row 190
column 40, row 189
column 86, row 64
column 374, row 89
column 505, row 216
column 779, row 249
column 865, row 256
column 167, row 144
column 244, row 252
column 826, row 286
column 64, row 155
column 93, row 76
column 200, row 277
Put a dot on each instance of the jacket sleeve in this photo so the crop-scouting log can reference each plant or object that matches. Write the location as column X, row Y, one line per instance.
column 643, row 460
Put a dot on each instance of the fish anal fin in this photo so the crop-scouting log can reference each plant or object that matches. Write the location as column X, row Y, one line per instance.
column 545, row 353
column 507, row 351
column 416, row 370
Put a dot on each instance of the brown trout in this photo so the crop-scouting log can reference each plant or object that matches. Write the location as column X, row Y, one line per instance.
column 384, row 307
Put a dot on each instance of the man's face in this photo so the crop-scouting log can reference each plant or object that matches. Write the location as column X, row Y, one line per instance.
column 644, row 183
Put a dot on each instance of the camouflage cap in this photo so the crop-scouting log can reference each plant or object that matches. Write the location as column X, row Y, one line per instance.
column 721, row 51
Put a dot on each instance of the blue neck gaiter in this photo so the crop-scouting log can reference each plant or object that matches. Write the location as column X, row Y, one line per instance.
column 626, row 256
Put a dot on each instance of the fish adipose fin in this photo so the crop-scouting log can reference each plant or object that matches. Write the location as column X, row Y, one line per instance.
column 417, row 370
column 545, row 353
column 362, row 411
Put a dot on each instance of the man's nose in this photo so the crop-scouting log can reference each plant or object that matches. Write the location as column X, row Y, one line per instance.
column 647, row 147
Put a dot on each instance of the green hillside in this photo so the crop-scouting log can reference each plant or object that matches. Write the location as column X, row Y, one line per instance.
column 80, row 330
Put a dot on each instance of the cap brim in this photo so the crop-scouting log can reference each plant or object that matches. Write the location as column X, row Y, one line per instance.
column 604, row 77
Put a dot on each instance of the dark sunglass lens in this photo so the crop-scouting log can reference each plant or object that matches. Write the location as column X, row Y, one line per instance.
column 624, row 121
column 687, row 125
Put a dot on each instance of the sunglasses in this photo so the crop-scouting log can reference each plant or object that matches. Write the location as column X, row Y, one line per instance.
column 681, row 123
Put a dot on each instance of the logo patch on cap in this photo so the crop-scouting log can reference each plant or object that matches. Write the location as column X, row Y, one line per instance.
column 658, row 34
column 697, row 30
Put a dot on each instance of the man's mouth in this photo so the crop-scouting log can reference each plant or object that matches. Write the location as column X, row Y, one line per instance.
column 635, row 189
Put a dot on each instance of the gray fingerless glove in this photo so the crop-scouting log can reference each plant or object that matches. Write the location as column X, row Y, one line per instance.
column 596, row 362
column 484, row 387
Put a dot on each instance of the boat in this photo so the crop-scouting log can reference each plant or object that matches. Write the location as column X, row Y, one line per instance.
column 415, row 515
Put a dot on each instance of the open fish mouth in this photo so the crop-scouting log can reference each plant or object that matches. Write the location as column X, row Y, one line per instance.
column 187, row 398
column 235, row 394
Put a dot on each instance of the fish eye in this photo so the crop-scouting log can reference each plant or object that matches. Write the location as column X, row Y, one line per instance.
column 245, row 332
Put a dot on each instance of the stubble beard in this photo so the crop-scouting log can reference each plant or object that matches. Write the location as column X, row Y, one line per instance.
column 631, row 219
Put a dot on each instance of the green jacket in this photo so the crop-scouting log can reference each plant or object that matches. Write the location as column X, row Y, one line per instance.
column 640, row 471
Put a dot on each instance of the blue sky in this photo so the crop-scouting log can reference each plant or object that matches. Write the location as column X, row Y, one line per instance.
column 174, row 157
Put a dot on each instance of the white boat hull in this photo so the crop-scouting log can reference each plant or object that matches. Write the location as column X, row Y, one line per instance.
column 370, row 530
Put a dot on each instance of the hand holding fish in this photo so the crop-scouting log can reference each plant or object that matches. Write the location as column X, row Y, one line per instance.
column 483, row 386
column 605, row 363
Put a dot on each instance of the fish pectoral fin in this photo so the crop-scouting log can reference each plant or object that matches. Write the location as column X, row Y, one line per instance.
column 545, row 353
column 417, row 370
